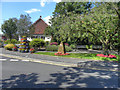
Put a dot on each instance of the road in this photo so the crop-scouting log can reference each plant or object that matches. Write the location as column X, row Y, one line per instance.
column 24, row 74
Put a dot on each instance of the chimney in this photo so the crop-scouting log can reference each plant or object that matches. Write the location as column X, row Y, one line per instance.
column 40, row 17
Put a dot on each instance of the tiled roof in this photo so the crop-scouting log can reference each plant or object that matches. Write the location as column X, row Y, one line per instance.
column 40, row 26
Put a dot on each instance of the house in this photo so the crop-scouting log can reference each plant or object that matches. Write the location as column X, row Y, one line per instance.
column 40, row 27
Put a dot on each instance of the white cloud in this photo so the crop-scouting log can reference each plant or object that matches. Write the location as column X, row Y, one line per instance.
column 43, row 2
column 47, row 19
column 32, row 10
column 57, row 1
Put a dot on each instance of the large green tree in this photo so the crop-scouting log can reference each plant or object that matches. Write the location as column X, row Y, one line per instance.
column 24, row 25
column 62, row 11
column 9, row 28
column 102, row 23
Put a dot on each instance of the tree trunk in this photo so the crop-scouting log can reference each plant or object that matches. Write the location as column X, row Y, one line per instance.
column 105, row 49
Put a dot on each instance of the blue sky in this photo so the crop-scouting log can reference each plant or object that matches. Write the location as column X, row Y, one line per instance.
column 34, row 9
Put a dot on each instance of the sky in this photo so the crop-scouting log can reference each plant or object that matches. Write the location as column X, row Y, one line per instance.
column 34, row 9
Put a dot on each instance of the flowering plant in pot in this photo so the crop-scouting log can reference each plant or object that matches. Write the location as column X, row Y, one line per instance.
column 32, row 50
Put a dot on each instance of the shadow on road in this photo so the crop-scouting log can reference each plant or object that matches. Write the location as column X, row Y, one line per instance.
column 107, row 65
column 68, row 78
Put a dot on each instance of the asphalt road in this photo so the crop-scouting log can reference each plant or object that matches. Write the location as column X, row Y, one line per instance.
column 25, row 74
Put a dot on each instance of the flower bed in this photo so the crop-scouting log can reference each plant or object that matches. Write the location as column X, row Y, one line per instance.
column 60, row 54
column 109, row 56
column 32, row 50
column 54, row 43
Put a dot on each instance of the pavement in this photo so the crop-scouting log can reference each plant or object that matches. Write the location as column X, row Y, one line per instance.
column 62, row 61
column 17, row 73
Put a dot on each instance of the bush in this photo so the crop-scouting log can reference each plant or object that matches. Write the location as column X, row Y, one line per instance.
column 37, row 43
column 89, row 46
column 47, row 43
column 13, row 41
column 68, row 49
column 7, row 42
column 51, row 48
column 54, row 43
column 72, row 46
column 9, row 46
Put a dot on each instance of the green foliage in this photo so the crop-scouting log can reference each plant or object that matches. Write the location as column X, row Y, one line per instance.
column 51, row 48
column 100, row 24
column 72, row 46
column 103, row 28
column 74, row 7
column 81, row 56
column 61, row 25
column 24, row 25
column 9, row 46
column 68, row 49
column 47, row 43
column 7, row 42
column 37, row 43
column 12, row 41
column 9, row 28
column 89, row 46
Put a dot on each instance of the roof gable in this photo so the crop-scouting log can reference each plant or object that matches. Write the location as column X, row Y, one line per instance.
column 40, row 26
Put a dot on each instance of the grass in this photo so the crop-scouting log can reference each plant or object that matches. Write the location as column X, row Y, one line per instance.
column 81, row 56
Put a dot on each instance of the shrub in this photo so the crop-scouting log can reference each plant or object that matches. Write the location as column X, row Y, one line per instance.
column 68, row 49
column 51, row 48
column 9, row 46
column 47, row 43
column 54, row 43
column 7, row 42
column 89, row 46
column 13, row 41
column 37, row 43
column 72, row 46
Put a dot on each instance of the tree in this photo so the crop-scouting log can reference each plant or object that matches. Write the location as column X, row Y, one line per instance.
column 9, row 28
column 74, row 7
column 62, row 11
column 102, row 23
column 24, row 25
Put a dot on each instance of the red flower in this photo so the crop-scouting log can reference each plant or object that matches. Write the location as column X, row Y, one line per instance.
column 15, row 47
column 110, row 56
column 54, row 43
column 60, row 54
column 66, row 44
column 32, row 49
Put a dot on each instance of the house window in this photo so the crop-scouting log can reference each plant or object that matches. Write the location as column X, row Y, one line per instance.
column 42, row 37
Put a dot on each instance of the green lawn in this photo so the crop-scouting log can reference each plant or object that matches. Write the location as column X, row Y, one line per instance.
column 81, row 55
